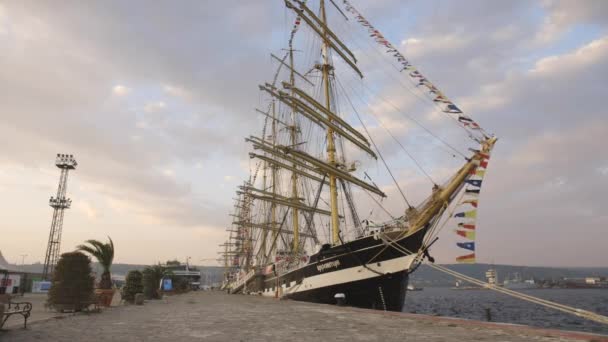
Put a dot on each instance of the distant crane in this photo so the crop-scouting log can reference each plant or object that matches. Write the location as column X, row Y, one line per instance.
column 65, row 162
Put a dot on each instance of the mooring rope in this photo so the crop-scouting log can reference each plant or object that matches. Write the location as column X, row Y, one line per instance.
column 592, row 316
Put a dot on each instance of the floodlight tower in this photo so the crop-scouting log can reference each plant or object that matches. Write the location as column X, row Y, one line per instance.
column 65, row 162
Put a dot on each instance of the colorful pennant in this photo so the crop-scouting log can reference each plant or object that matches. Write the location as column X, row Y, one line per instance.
column 466, row 225
column 466, row 234
column 466, row 245
column 478, row 173
column 472, row 192
column 474, row 182
column 466, row 259
column 471, row 214
column 472, row 202
column 470, row 197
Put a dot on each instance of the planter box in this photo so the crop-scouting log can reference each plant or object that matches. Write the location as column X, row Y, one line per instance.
column 105, row 296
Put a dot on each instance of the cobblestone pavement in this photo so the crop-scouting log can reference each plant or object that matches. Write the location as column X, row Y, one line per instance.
column 214, row 316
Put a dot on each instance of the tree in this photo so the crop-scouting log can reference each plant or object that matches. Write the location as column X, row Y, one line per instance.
column 73, row 282
column 180, row 284
column 133, row 285
column 152, row 276
column 173, row 262
column 104, row 253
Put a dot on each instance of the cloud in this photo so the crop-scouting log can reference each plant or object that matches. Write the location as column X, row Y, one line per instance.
column 120, row 90
column 563, row 14
column 88, row 209
column 575, row 61
column 154, row 107
column 159, row 156
column 177, row 91
column 548, row 114
column 549, row 94
column 418, row 47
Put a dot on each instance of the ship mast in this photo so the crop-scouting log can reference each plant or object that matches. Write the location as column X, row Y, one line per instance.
column 264, row 234
column 273, row 206
column 298, row 161
column 294, row 177
column 331, row 146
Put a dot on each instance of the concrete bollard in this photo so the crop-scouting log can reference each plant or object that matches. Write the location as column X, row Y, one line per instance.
column 340, row 299
column 139, row 299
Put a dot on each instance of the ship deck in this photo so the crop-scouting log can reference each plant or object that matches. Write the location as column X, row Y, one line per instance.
column 215, row 316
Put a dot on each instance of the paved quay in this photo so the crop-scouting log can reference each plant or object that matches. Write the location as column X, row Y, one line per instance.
column 214, row 316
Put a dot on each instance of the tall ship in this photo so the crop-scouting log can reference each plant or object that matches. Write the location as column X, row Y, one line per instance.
column 323, row 215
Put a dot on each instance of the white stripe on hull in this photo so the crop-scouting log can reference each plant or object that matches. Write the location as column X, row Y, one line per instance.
column 346, row 275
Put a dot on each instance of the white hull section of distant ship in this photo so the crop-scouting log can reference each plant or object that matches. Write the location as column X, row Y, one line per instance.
column 518, row 283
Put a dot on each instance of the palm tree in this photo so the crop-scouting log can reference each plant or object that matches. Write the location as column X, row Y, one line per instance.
column 104, row 253
column 152, row 277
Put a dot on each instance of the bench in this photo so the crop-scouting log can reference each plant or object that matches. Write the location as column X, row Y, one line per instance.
column 9, row 308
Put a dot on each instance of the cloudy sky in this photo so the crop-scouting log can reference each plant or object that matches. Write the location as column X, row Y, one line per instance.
column 154, row 98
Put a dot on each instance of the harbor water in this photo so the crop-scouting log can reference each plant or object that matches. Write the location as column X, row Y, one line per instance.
column 473, row 304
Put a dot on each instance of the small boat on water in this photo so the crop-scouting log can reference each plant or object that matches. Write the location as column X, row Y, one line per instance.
column 411, row 287
column 458, row 285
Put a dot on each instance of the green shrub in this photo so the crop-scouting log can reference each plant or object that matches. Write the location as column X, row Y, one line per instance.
column 133, row 285
column 73, row 282
column 180, row 284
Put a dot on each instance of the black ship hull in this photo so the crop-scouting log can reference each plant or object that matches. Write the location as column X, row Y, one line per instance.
column 385, row 292
column 367, row 271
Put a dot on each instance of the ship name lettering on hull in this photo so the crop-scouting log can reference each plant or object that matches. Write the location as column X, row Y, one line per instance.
column 328, row 265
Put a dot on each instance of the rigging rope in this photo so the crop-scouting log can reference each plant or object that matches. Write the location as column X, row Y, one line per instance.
column 376, row 147
column 415, row 121
column 434, row 231
column 450, row 108
column 400, row 82
column 557, row 306
column 379, row 204
column 389, row 133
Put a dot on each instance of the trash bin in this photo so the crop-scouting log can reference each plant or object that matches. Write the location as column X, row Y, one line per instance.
column 340, row 299
column 139, row 299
